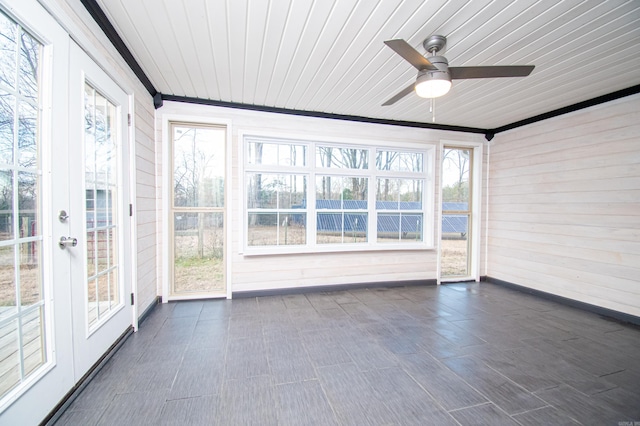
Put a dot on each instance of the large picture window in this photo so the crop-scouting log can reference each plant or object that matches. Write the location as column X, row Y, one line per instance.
column 306, row 196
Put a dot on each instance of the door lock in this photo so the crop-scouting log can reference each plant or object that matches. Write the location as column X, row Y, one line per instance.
column 67, row 242
column 63, row 216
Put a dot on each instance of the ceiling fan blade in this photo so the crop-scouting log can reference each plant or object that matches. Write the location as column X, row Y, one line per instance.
column 404, row 92
column 410, row 54
column 491, row 71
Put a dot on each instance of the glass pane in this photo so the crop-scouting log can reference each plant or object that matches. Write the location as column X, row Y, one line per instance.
column 7, row 115
column 33, row 348
column 27, row 134
column 343, row 158
column 399, row 194
column 92, row 305
column 7, row 281
column 262, row 229
column 411, row 227
column 92, row 253
column 455, row 178
column 276, row 154
column 355, row 228
column 411, row 162
column 29, row 60
column 102, row 250
column 334, row 192
column 262, row 191
column 10, row 360
column 328, row 192
column 8, row 47
column 293, row 228
column 455, row 245
column 198, row 252
column 114, row 290
column 30, row 274
column 263, row 153
column 292, row 191
column 399, row 161
column 329, row 228
column 341, row 228
column 28, row 204
column 6, row 205
column 101, row 165
column 104, row 304
column 270, row 191
column 292, row 155
column 354, row 193
column 388, row 227
column 199, row 166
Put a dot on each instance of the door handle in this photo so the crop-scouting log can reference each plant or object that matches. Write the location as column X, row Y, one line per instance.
column 67, row 242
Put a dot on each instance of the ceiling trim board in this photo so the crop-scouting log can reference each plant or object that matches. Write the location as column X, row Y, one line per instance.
column 566, row 110
column 108, row 29
column 319, row 114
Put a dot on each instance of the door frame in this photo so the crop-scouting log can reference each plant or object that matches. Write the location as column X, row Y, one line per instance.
column 476, row 211
column 167, row 198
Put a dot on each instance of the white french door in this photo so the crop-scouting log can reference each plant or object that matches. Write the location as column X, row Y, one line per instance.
column 36, row 368
column 99, row 210
column 63, row 173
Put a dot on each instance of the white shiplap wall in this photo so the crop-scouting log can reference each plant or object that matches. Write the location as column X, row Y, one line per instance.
column 564, row 206
column 85, row 31
column 251, row 273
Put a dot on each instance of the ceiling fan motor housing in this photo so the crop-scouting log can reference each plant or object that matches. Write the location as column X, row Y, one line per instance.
column 439, row 62
column 434, row 43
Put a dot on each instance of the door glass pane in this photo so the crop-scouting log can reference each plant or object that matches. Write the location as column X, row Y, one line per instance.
column 455, row 245
column 456, row 212
column 22, row 339
column 198, row 252
column 101, row 206
column 455, row 178
column 198, row 158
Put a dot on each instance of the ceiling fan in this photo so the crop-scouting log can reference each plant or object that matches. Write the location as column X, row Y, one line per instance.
column 435, row 74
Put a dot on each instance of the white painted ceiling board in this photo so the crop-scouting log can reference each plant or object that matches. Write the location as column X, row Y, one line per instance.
column 328, row 55
column 199, row 27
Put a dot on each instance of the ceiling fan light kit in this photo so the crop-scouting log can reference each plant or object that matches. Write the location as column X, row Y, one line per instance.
column 433, row 84
column 435, row 75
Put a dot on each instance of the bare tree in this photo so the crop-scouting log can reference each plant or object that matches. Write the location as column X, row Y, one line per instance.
column 458, row 161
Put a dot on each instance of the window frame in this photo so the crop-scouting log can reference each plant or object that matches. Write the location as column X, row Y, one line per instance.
column 311, row 170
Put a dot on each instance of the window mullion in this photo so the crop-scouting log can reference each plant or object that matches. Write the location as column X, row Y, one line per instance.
column 311, row 205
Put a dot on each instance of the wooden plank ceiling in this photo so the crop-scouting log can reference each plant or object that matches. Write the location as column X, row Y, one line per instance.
column 328, row 55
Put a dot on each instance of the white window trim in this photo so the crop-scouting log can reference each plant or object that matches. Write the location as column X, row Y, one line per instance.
column 427, row 175
column 476, row 211
column 167, row 198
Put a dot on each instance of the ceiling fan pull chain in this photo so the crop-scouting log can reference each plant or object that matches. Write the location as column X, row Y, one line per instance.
column 432, row 109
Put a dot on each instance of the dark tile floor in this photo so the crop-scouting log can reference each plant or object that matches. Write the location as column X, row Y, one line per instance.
column 456, row 354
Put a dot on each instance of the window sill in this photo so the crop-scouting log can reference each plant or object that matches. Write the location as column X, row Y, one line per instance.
column 334, row 248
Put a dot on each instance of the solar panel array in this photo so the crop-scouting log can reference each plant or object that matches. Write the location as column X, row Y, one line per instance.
column 387, row 222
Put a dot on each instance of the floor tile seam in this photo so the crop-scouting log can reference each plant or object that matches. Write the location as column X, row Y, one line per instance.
column 560, row 409
column 502, row 375
column 487, row 397
column 482, row 404
column 608, row 407
column 326, row 398
column 533, row 410
column 433, row 398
